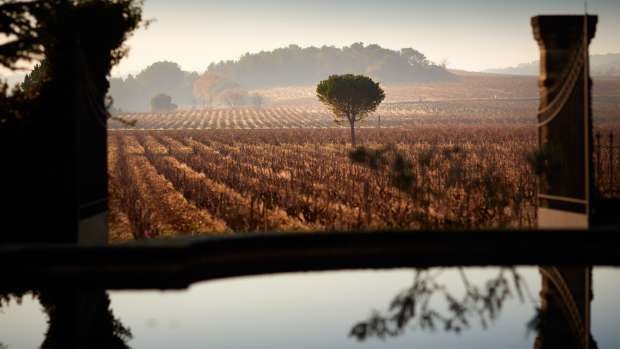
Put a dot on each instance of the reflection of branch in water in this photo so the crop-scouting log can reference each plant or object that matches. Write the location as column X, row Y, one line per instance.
column 413, row 305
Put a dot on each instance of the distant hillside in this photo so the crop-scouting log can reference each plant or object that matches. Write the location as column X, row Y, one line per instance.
column 294, row 65
column 600, row 65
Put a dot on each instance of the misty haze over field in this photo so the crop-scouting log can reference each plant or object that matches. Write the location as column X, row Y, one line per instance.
column 289, row 66
column 600, row 65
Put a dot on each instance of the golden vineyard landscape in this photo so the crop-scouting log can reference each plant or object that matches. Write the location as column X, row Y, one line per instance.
column 287, row 166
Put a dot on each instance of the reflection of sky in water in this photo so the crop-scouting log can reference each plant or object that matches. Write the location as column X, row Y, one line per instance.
column 314, row 310
column 606, row 307
column 22, row 326
column 308, row 310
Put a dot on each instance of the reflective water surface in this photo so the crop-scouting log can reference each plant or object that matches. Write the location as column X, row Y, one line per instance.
column 524, row 307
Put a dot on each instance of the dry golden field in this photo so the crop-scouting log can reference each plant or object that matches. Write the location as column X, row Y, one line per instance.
column 165, row 183
column 461, row 146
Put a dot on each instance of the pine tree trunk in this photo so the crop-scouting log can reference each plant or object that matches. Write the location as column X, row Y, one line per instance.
column 352, row 123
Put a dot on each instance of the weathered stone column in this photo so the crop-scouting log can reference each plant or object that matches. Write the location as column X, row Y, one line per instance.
column 564, row 120
column 565, row 298
column 91, row 157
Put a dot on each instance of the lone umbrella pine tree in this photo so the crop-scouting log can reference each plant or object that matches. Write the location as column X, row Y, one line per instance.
column 350, row 97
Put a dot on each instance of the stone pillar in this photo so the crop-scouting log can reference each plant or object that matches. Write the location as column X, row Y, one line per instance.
column 90, row 157
column 83, row 182
column 76, row 141
column 564, row 317
column 564, row 120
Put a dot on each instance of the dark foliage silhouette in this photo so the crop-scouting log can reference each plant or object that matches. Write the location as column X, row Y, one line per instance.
column 81, row 41
column 15, row 23
column 35, row 79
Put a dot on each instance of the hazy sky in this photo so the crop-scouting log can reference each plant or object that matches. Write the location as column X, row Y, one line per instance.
column 471, row 35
